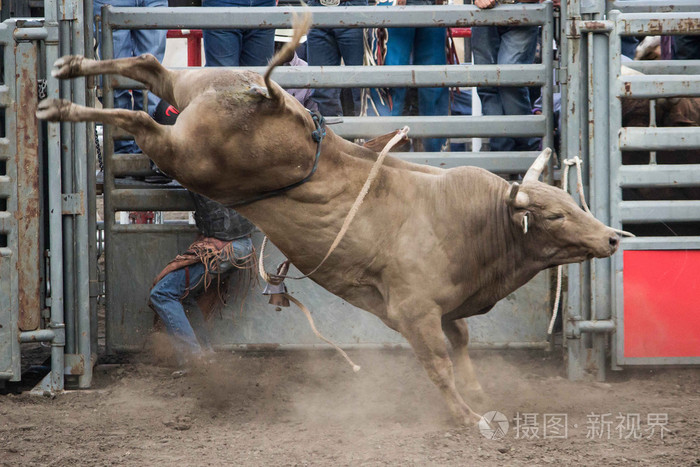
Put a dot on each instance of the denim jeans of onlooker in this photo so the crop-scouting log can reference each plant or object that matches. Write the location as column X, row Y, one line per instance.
column 166, row 300
column 326, row 47
column 419, row 46
column 686, row 47
column 504, row 45
column 238, row 47
column 132, row 43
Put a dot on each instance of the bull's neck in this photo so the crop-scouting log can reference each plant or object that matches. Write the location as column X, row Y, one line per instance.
column 506, row 252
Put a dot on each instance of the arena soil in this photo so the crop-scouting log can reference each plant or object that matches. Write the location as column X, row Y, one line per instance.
column 299, row 408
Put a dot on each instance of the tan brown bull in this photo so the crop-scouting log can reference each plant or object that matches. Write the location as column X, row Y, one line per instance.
column 428, row 247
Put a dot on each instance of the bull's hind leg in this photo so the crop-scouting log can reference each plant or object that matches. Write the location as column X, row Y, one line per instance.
column 146, row 131
column 144, row 68
column 423, row 331
column 458, row 335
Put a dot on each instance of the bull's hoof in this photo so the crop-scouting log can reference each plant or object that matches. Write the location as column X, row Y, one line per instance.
column 67, row 66
column 52, row 109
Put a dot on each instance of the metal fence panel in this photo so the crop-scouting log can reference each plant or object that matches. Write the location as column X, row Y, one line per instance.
column 519, row 320
column 248, row 321
column 10, row 236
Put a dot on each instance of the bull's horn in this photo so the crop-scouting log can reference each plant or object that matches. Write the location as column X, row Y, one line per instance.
column 535, row 170
column 517, row 198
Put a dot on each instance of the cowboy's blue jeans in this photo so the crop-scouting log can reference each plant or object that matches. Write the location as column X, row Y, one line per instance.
column 238, row 47
column 166, row 300
column 325, row 47
column 503, row 45
column 426, row 46
column 132, row 43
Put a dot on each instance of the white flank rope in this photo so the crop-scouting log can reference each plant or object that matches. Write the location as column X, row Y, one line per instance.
column 579, row 189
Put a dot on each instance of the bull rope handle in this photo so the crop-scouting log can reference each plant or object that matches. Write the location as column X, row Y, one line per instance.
column 579, row 189
column 277, row 279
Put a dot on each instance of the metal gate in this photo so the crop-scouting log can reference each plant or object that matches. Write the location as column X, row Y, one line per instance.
column 249, row 321
column 21, row 258
column 45, row 245
column 607, row 296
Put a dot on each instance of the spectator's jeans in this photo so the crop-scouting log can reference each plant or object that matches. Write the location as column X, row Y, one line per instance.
column 686, row 47
column 132, row 43
column 238, row 47
column 427, row 47
column 502, row 45
column 166, row 296
column 325, row 47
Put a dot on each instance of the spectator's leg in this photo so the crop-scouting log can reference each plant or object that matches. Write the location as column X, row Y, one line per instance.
column 429, row 49
column 628, row 46
column 323, row 51
column 165, row 298
column 351, row 46
column 258, row 45
column 518, row 46
column 149, row 41
column 399, row 46
column 222, row 47
column 486, row 42
column 123, row 46
column 686, row 48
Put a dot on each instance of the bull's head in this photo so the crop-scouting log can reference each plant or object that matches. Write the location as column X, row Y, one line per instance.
column 558, row 229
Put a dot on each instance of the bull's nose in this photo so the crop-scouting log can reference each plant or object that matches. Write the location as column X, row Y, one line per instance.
column 614, row 241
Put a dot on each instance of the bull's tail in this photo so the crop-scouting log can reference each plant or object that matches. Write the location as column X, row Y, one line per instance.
column 301, row 25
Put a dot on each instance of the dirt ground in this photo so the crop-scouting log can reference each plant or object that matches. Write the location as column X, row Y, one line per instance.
column 309, row 408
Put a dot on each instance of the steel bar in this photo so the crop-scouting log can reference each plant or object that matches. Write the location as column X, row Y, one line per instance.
column 443, row 126
column 593, row 326
column 108, row 157
column 140, row 199
column 42, row 335
column 681, row 175
column 599, row 137
column 644, row 212
column 666, row 67
column 30, row 34
column 653, row 24
column 55, row 214
column 323, row 17
column 392, row 76
column 81, row 232
column 68, row 187
column 654, row 6
column 651, row 86
column 656, row 139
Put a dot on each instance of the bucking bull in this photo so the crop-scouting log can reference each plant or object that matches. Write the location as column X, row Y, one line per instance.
column 428, row 247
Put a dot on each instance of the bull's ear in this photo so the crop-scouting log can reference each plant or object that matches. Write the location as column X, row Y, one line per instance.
column 516, row 198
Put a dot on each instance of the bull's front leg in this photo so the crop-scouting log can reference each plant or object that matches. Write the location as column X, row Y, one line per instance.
column 144, row 68
column 421, row 326
column 457, row 333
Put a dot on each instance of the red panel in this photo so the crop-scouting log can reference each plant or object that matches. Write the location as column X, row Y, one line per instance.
column 662, row 303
